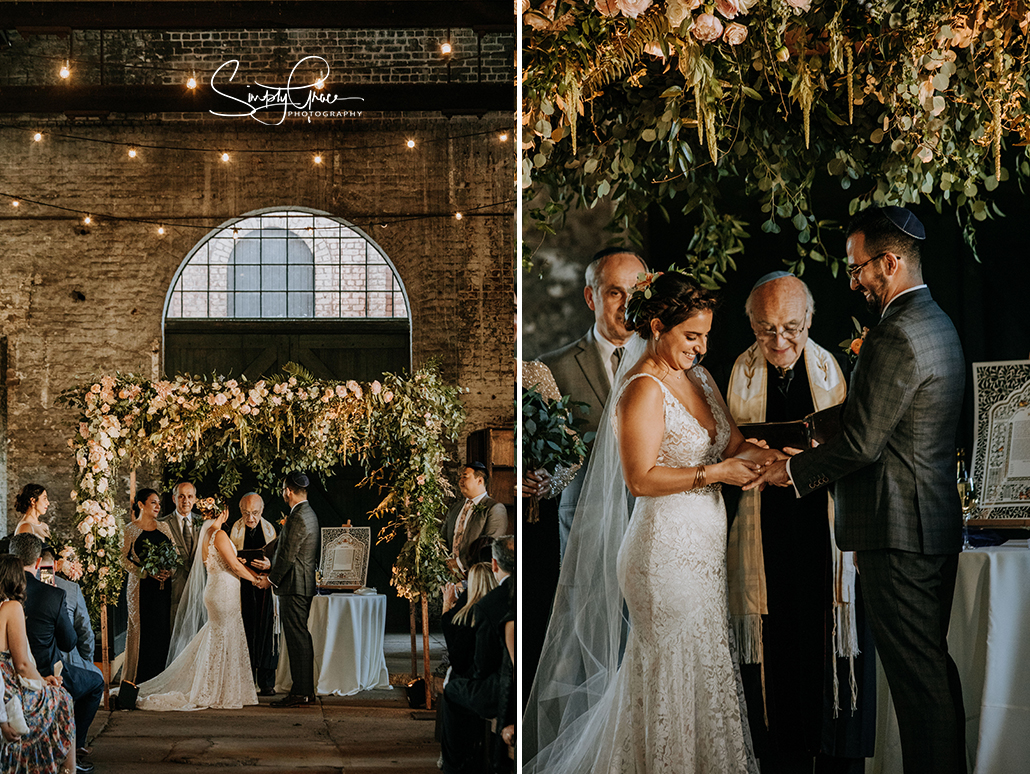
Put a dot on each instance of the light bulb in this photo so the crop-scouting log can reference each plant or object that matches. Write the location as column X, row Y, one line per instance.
column 458, row 216
column 445, row 49
column 37, row 137
column 87, row 220
column 161, row 230
column 411, row 143
column 225, row 157
column 65, row 72
column 504, row 138
column 132, row 153
column 318, row 159
column 236, row 234
column 320, row 84
column 192, row 82
column 15, row 203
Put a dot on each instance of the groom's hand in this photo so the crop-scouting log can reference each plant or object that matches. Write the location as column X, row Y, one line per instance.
column 775, row 474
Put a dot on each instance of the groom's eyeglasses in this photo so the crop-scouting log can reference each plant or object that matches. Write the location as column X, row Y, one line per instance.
column 856, row 269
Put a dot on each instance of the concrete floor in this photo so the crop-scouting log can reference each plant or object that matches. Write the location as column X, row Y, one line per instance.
column 371, row 732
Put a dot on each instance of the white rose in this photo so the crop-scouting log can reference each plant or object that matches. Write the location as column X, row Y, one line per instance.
column 707, row 28
column 633, row 8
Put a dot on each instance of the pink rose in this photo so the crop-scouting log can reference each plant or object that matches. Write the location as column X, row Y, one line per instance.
column 376, row 387
column 633, row 8
column 678, row 10
column 800, row 6
column 707, row 28
column 729, row 8
column 607, row 7
column 735, row 34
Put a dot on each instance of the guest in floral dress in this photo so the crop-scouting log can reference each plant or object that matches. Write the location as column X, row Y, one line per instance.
column 48, row 747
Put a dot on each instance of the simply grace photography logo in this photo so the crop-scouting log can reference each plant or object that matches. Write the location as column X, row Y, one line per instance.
column 272, row 105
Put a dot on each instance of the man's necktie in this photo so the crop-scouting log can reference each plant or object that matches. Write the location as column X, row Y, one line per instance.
column 187, row 534
column 459, row 527
column 616, row 359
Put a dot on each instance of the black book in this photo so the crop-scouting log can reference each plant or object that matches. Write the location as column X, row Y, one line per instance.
column 248, row 555
column 819, row 426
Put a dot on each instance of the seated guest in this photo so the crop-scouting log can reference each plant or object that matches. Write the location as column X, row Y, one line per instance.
column 49, row 630
column 49, row 745
column 32, row 502
column 250, row 532
column 75, row 604
column 459, row 618
column 473, row 519
column 478, row 695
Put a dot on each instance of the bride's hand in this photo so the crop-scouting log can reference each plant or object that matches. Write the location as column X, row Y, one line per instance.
column 735, row 471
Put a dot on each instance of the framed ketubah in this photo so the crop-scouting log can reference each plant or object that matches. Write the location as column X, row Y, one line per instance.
column 344, row 561
column 1001, row 443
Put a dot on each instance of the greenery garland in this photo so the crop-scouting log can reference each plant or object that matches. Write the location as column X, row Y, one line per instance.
column 668, row 104
column 397, row 429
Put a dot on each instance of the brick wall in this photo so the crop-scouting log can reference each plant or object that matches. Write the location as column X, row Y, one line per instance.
column 76, row 301
column 355, row 56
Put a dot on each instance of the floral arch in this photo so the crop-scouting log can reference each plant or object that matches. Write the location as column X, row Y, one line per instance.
column 397, row 429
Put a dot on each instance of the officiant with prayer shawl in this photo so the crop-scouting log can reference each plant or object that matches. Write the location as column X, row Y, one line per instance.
column 250, row 532
column 794, row 603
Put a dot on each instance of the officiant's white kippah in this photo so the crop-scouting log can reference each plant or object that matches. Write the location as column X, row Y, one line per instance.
column 773, row 275
column 906, row 222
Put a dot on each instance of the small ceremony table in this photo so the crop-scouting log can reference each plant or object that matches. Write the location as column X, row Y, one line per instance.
column 989, row 638
column 347, row 632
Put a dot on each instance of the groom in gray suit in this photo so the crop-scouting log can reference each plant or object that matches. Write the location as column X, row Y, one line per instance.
column 894, row 467
column 293, row 578
column 585, row 369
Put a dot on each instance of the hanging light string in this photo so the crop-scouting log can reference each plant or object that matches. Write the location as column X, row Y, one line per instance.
column 91, row 217
column 40, row 135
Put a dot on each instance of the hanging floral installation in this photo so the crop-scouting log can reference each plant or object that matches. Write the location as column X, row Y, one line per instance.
column 663, row 105
column 397, row 429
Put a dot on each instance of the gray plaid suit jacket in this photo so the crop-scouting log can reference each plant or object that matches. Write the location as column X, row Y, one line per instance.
column 297, row 553
column 894, row 459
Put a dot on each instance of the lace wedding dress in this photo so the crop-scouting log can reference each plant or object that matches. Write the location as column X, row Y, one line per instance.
column 214, row 669
column 676, row 706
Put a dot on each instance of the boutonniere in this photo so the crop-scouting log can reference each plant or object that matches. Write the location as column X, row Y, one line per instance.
column 853, row 345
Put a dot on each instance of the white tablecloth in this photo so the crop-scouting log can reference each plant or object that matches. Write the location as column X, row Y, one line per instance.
column 989, row 638
column 347, row 632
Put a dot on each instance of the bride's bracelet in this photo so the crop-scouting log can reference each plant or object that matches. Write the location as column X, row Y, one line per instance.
column 700, row 477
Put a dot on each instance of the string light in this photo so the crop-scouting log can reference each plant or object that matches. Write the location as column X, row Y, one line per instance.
column 37, row 137
column 132, row 153
column 411, row 143
column 235, row 235
column 87, row 220
column 15, row 203
column 318, row 159
column 458, row 216
column 445, row 48
column 320, row 84
column 225, row 157
column 192, row 82
column 65, row 72
column 504, row 138
column 161, row 230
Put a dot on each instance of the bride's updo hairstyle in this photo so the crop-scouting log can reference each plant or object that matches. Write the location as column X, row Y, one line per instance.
column 670, row 297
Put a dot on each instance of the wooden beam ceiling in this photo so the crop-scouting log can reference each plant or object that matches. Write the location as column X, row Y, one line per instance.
column 481, row 15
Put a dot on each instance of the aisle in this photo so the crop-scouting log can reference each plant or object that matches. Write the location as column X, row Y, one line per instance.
column 372, row 732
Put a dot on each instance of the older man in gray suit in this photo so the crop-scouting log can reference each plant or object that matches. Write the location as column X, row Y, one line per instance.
column 585, row 369
column 293, row 578
column 896, row 501
column 183, row 526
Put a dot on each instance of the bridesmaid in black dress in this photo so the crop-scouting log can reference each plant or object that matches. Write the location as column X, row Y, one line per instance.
column 154, row 603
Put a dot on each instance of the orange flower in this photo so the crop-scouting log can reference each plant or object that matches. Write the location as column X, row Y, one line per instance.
column 856, row 345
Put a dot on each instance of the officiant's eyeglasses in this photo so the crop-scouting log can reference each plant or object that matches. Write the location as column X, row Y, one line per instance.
column 789, row 331
column 856, row 269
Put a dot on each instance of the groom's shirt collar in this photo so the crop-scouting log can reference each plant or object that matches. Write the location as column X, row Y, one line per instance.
column 903, row 292
column 297, row 505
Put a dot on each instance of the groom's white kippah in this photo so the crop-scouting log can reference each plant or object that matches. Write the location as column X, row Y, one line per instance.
column 906, row 222
column 773, row 275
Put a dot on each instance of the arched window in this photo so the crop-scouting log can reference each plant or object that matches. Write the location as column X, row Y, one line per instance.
column 287, row 265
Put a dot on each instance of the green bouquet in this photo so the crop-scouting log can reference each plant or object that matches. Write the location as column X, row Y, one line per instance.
column 158, row 558
column 549, row 438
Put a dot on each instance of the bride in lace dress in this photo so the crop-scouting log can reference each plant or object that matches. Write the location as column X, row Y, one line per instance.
column 665, row 698
column 213, row 670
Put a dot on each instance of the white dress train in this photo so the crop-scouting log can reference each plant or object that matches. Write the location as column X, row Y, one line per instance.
column 214, row 669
